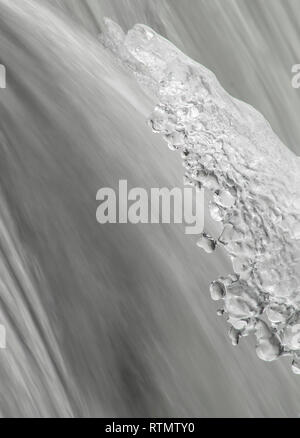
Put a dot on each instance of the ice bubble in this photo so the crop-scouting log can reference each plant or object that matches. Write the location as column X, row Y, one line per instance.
column 234, row 335
column 207, row 243
column 291, row 337
column 217, row 290
column 268, row 349
column 296, row 366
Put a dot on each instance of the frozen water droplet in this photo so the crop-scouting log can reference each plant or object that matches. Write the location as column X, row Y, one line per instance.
column 234, row 335
column 217, row 290
column 216, row 212
column 207, row 243
column 291, row 337
column 239, row 324
column 224, row 198
column 296, row 366
column 275, row 314
column 268, row 349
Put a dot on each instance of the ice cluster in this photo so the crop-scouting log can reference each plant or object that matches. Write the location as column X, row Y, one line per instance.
column 229, row 148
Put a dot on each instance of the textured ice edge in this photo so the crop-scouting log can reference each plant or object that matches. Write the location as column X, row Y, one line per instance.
column 230, row 149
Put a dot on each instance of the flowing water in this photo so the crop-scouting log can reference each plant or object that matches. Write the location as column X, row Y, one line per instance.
column 117, row 320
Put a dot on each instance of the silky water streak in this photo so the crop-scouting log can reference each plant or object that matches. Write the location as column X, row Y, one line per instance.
column 229, row 148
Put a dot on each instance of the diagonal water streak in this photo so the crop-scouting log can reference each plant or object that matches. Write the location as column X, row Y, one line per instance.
column 33, row 354
column 230, row 149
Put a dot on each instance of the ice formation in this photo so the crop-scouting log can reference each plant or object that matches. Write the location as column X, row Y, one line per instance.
column 229, row 148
